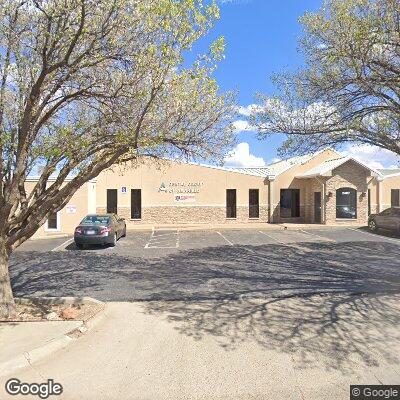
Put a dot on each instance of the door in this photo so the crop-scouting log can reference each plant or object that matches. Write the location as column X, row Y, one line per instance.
column 112, row 201
column 317, row 207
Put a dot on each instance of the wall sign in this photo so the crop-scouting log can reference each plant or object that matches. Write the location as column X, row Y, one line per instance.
column 70, row 209
column 123, row 190
column 181, row 187
column 188, row 198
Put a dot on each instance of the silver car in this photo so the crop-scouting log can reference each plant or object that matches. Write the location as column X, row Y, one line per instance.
column 387, row 219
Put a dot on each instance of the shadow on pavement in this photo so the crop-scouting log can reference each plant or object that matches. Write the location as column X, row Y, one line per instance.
column 333, row 302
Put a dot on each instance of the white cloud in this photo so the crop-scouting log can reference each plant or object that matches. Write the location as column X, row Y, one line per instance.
column 240, row 156
column 241, row 125
column 373, row 156
column 248, row 110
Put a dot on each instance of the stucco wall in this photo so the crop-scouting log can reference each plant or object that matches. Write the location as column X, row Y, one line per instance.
column 287, row 180
column 387, row 185
column 162, row 183
column 68, row 219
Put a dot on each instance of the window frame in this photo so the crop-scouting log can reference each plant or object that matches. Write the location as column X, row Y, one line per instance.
column 107, row 209
column 58, row 219
column 140, row 204
column 234, row 206
column 352, row 191
column 252, row 206
column 392, row 191
column 294, row 205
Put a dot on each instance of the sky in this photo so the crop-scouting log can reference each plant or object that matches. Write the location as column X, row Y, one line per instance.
column 261, row 39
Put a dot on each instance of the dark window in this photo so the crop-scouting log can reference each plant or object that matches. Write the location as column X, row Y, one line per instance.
column 254, row 206
column 95, row 220
column 395, row 198
column 112, row 201
column 369, row 201
column 290, row 203
column 231, row 203
column 346, row 203
column 136, row 203
column 52, row 221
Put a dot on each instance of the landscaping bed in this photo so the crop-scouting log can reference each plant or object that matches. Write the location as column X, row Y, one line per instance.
column 52, row 309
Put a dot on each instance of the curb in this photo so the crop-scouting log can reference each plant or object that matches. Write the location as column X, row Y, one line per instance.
column 27, row 358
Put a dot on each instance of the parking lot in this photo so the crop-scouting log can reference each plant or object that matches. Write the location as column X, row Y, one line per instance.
column 180, row 264
column 326, row 296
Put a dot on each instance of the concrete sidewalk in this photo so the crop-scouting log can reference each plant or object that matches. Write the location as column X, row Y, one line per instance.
column 24, row 342
column 225, row 350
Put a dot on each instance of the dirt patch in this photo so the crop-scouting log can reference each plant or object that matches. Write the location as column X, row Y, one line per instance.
column 37, row 310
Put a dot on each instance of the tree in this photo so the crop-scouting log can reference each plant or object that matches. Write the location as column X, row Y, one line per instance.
column 349, row 89
column 85, row 85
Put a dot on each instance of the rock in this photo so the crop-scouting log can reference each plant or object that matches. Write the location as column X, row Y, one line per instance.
column 69, row 313
column 52, row 316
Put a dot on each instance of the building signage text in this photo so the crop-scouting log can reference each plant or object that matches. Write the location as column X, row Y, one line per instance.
column 181, row 187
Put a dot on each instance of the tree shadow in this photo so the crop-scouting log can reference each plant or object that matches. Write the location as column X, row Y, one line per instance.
column 336, row 303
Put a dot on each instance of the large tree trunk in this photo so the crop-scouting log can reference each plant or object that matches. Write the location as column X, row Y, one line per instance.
column 7, row 304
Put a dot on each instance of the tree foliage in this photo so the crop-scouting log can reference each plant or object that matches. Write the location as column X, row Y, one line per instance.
column 87, row 84
column 349, row 89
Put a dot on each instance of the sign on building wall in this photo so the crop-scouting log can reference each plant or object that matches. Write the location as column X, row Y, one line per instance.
column 178, row 188
column 123, row 190
column 188, row 198
column 70, row 209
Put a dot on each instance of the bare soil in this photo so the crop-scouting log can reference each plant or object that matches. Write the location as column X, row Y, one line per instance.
column 39, row 311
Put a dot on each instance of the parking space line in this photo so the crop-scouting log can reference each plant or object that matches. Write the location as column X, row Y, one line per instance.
column 226, row 239
column 375, row 236
column 64, row 244
column 154, row 239
column 318, row 236
column 271, row 237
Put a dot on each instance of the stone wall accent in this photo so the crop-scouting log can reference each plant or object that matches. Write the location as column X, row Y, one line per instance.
column 347, row 175
column 189, row 215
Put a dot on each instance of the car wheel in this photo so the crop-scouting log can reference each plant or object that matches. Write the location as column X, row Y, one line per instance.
column 79, row 246
column 372, row 225
column 114, row 242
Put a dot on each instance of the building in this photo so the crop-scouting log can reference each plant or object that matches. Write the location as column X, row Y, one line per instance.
column 321, row 188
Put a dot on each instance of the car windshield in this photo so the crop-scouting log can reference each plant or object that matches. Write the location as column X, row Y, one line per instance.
column 96, row 220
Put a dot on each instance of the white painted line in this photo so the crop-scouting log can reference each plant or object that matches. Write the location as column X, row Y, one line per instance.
column 151, row 236
column 154, row 240
column 318, row 236
column 67, row 242
column 227, row 240
column 375, row 235
column 271, row 237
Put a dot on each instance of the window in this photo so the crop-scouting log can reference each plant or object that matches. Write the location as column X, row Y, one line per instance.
column 254, row 207
column 52, row 221
column 96, row 220
column 346, row 203
column 290, row 203
column 136, row 203
column 231, row 203
column 112, row 201
column 395, row 198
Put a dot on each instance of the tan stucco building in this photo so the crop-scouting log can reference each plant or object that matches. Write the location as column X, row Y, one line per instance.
column 321, row 188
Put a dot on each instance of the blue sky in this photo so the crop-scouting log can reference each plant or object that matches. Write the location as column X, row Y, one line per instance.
column 262, row 38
